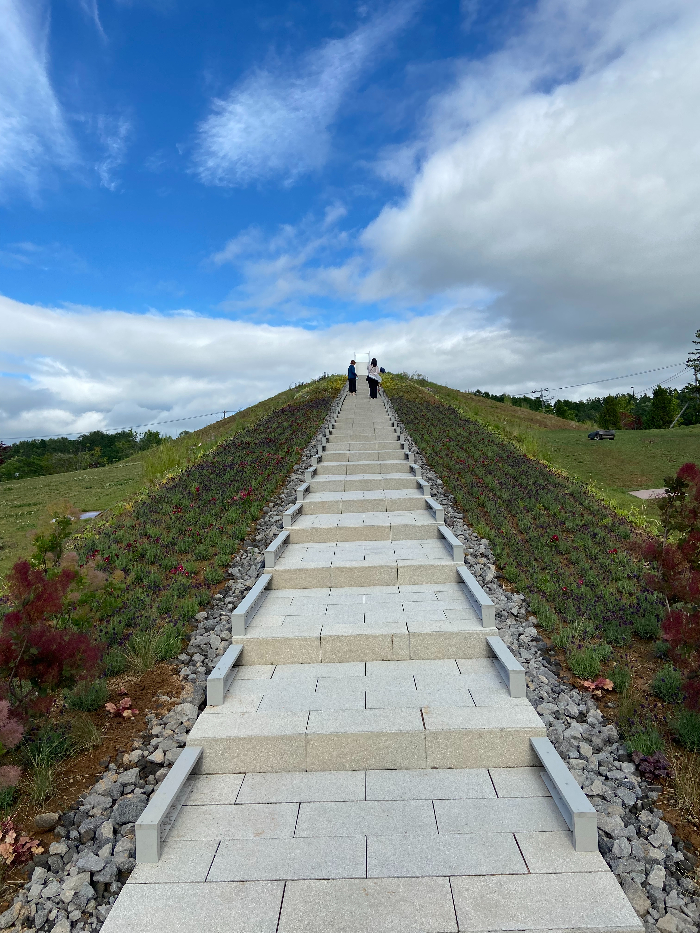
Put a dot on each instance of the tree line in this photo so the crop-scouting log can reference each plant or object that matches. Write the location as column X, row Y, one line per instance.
column 62, row 455
column 619, row 412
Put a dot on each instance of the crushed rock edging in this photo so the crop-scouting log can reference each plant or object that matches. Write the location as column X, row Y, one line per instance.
column 650, row 863
column 75, row 883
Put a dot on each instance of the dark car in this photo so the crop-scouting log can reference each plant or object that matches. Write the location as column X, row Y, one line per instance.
column 601, row 435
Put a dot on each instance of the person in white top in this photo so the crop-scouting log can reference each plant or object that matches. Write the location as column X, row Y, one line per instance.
column 373, row 377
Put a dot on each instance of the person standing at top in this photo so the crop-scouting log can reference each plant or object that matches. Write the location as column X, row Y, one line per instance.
column 352, row 378
column 373, row 378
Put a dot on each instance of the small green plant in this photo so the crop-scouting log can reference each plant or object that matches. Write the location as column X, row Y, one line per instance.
column 8, row 795
column 646, row 741
column 637, row 727
column 147, row 648
column 562, row 637
column 621, row 677
column 546, row 618
column 115, row 662
column 585, row 662
column 187, row 609
column 169, row 643
column 661, row 649
column 686, row 728
column 42, row 753
column 667, row 684
column 647, row 626
column 88, row 696
column 84, row 733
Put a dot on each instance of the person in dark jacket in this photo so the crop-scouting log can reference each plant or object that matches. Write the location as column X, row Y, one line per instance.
column 352, row 378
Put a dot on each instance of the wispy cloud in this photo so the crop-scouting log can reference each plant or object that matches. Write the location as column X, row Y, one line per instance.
column 34, row 137
column 45, row 256
column 92, row 11
column 113, row 133
column 275, row 123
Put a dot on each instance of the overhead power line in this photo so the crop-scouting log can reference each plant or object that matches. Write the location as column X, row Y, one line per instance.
column 595, row 382
column 130, row 427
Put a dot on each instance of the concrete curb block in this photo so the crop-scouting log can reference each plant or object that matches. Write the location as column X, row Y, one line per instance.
column 485, row 609
column 153, row 825
column 575, row 807
column 453, row 544
column 220, row 678
column 510, row 668
column 290, row 515
column 244, row 612
column 423, row 486
column 436, row 509
column 301, row 491
column 309, row 474
column 275, row 550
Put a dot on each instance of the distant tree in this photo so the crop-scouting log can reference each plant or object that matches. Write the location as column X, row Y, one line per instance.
column 609, row 418
column 663, row 409
column 150, row 439
column 563, row 409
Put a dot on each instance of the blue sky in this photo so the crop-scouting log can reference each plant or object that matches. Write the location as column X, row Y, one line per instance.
column 201, row 202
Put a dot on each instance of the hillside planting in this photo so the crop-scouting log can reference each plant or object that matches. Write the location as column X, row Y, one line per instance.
column 553, row 541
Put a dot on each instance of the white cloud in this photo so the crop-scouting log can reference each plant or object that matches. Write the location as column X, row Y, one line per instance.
column 34, row 137
column 275, row 124
column 562, row 174
column 83, row 368
column 113, row 133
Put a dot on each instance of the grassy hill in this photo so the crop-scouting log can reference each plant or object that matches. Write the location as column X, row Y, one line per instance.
column 24, row 503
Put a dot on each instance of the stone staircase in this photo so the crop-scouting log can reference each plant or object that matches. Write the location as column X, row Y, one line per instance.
column 371, row 768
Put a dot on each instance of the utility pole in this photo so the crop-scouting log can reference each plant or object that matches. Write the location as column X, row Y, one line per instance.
column 541, row 394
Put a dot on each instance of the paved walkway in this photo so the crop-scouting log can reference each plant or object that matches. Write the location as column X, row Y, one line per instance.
column 369, row 771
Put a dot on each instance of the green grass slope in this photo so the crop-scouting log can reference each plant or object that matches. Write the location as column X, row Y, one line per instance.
column 24, row 503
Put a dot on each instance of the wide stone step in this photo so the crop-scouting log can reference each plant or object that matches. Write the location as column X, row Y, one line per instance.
column 362, row 482
column 379, row 714
column 339, row 445
column 386, row 500
column 372, row 851
column 362, row 456
column 303, row 626
column 335, row 468
column 364, row 526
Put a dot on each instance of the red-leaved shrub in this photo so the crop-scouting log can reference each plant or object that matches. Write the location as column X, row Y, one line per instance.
column 676, row 573
column 36, row 657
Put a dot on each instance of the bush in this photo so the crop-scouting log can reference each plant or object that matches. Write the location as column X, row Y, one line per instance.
column 585, row 662
column 661, row 649
column 646, row 742
column 36, row 657
column 647, row 626
column 621, row 678
column 667, row 684
column 87, row 696
column 685, row 726
column 114, row 662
